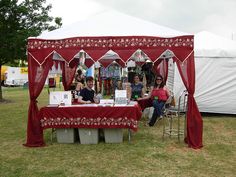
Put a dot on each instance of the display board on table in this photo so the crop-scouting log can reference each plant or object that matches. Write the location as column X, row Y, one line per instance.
column 60, row 98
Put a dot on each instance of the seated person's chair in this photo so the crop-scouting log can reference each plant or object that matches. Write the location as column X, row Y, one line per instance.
column 170, row 113
column 147, row 107
column 51, row 84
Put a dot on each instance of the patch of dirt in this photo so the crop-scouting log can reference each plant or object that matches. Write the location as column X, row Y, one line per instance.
column 4, row 101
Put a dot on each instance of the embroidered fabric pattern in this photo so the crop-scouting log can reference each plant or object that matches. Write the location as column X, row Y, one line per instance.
column 111, row 42
column 51, row 122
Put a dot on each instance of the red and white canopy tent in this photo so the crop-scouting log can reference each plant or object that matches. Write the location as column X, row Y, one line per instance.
column 106, row 31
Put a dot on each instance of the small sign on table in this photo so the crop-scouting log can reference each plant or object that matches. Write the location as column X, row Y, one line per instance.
column 121, row 97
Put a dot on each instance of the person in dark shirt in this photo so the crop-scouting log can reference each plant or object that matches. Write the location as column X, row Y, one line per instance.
column 136, row 88
column 87, row 94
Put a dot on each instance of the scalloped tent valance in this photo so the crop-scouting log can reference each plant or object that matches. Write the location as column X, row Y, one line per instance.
column 97, row 47
column 109, row 31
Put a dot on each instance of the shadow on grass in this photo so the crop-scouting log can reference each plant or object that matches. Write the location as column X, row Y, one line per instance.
column 217, row 115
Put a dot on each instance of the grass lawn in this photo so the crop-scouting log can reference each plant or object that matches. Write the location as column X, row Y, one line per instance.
column 146, row 155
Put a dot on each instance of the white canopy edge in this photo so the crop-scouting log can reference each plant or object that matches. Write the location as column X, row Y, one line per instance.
column 110, row 23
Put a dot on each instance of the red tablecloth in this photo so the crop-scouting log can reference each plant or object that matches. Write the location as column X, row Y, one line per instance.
column 145, row 103
column 90, row 117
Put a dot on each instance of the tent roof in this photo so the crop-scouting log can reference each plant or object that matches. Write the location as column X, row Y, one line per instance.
column 207, row 44
column 111, row 23
column 110, row 30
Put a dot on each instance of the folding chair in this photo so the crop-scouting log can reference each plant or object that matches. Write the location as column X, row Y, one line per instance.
column 171, row 113
column 51, row 84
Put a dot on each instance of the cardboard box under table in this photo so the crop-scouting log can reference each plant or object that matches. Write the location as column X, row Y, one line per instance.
column 66, row 135
column 88, row 135
column 113, row 135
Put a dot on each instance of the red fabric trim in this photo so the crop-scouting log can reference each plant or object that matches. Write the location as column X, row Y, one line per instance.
column 96, row 54
column 140, row 63
column 106, row 62
column 88, row 62
column 120, row 62
column 194, row 119
column 41, row 55
column 67, row 54
column 154, row 54
column 96, row 47
column 90, row 117
column 111, row 42
column 125, row 54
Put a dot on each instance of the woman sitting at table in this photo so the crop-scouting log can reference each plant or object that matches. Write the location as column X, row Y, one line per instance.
column 136, row 88
column 158, row 94
column 87, row 94
column 79, row 86
column 76, row 92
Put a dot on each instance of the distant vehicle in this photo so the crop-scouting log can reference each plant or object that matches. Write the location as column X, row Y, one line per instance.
column 16, row 76
column 3, row 74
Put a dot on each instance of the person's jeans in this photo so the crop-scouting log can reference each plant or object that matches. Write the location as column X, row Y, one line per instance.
column 157, row 112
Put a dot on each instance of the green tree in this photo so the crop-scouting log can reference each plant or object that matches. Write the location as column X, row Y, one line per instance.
column 18, row 21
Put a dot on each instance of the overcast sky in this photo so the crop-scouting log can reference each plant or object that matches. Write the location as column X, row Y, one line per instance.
column 191, row 16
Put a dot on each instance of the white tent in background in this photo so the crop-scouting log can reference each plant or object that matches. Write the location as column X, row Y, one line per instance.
column 215, row 65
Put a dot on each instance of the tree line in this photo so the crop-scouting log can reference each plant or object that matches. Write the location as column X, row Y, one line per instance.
column 18, row 21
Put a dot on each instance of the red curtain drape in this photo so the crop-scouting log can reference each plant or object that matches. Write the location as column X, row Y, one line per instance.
column 37, row 75
column 68, row 73
column 161, row 67
column 194, row 119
